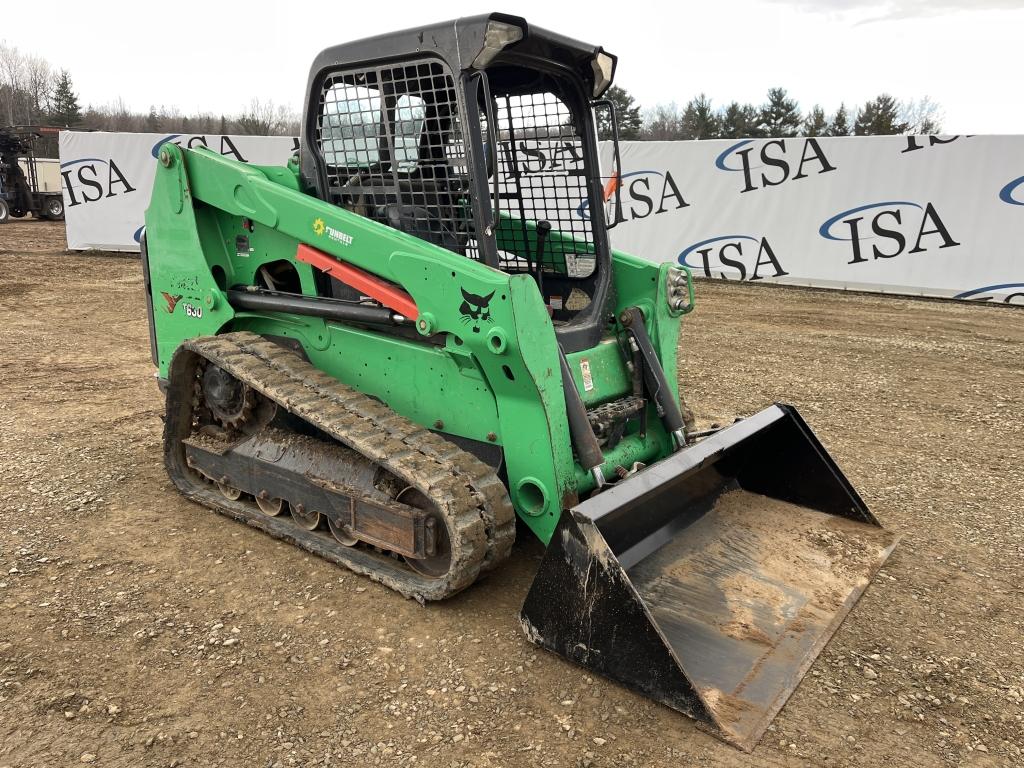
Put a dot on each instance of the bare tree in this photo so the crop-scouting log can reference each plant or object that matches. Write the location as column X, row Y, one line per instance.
column 286, row 122
column 922, row 116
column 12, row 78
column 257, row 119
column 663, row 122
column 118, row 116
column 39, row 82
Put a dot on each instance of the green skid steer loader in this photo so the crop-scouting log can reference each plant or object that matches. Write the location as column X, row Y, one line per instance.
column 417, row 331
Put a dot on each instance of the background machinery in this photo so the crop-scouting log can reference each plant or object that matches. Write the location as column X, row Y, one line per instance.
column 417, row 332
column 21, row 192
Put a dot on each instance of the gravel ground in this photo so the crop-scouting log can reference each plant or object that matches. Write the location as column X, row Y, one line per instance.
column 137, row 629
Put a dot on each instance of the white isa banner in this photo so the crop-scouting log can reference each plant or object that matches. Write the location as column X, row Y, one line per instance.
column 108, row 178
column 929, row 216
column 918, row 215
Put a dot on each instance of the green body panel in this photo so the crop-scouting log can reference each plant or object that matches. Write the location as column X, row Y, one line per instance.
column 513, row 238
column 213, row 222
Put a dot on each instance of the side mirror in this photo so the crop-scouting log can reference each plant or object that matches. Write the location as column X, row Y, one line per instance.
column 612, row 181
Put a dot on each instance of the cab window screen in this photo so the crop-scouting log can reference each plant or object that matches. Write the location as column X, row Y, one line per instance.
column 391, row 140
column 542, row 177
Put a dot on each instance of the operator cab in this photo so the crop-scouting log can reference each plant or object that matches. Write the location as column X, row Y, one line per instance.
column 478, row 136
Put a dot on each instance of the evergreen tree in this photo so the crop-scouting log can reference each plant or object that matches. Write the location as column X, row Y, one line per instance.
column 733, row 124
column 780, row 116
column 699, row 119
column 223, row 128
column 66, row 110
column 627, row 115
column 815, row 123
column 879, row 117
column 752, row 116
column 152, row 120
column 840, row 125
column 739, row 121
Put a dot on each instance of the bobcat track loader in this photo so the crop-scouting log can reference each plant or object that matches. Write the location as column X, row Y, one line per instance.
column 417, row 331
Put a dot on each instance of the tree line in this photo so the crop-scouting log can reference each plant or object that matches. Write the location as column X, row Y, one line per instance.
column 32, row 92
column 779, row 116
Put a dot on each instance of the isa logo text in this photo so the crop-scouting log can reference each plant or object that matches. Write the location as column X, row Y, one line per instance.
column 744, row 257
column 639, row 194
column 89, row 179
column 774, row 162
column 884, row 230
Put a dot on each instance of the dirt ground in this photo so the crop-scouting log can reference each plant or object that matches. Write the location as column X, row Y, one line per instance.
column 137, row 629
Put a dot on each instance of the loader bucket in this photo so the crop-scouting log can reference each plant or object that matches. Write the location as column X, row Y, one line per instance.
column 711, row 580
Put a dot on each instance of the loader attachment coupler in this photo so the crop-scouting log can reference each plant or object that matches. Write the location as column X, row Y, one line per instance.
column 711, row 580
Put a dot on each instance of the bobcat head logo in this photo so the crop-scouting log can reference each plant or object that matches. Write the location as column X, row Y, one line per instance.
column 172, row 301
column 475, row 309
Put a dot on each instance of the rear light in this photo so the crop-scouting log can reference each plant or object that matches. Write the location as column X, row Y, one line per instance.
column 604, row 68
column 498, row 35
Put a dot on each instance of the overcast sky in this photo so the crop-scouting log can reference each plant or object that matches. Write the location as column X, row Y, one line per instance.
column 215, row 56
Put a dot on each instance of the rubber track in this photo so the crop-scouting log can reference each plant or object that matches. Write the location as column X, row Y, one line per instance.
column 466, row 492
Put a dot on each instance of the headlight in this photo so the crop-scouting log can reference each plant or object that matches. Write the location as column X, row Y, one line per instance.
column 604, row 67
column 497, row 36
column 678, row 293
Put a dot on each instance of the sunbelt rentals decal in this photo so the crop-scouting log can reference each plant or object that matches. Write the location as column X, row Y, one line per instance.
column 320, row 228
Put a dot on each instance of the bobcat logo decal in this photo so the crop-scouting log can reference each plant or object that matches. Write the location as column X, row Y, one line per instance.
column 172, row 301
column 475, row 309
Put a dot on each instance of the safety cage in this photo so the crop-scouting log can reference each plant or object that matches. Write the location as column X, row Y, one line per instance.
column 395, row 148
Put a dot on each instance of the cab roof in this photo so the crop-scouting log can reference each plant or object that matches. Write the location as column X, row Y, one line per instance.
column 459, row 42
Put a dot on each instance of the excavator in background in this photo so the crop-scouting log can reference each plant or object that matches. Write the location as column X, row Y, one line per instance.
column 417, row 332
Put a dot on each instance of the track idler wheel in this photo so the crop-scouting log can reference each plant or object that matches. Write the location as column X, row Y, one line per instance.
column 229, row 492
column 269, row 506
column 438, row 564
column 342, row 533
column 306, row 518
